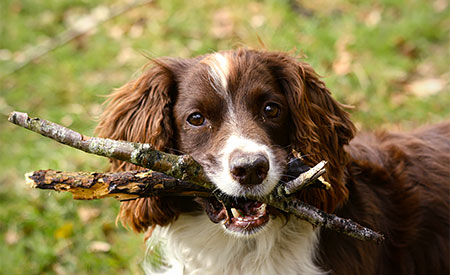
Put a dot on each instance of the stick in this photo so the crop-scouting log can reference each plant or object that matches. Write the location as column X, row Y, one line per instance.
column 136, row 184
column 180, row 167
column 89, row 22
column 305, row 179
column 122, row 186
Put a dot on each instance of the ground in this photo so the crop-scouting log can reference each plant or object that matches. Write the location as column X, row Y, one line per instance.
column 389, row 59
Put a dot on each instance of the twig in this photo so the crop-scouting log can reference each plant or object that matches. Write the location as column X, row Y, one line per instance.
column 183, row 168
column 304, row 179
column 84, row 25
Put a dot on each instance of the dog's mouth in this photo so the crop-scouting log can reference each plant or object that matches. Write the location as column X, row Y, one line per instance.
column 240, row 215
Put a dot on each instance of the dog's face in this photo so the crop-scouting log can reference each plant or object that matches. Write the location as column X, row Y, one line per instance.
column 232, row 117
column 239, row 114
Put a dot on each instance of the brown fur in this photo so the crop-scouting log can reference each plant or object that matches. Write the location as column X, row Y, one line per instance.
column 394, row 183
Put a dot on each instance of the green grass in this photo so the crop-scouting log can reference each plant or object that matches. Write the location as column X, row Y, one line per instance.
column 390, row 45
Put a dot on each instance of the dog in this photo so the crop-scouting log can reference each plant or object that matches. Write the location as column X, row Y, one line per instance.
column 240, row 114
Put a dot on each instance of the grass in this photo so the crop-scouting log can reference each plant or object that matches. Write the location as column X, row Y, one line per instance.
column 374, row 55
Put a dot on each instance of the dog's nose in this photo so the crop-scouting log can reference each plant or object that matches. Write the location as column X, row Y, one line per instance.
column 249, row 168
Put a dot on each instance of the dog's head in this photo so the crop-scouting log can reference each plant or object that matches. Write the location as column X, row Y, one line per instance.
column 239, row 114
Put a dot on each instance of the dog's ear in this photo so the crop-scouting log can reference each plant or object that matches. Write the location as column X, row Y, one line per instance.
column 140, row 111
column 322, row 126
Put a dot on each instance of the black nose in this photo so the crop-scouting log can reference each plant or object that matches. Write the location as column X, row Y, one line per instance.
column 248, row 168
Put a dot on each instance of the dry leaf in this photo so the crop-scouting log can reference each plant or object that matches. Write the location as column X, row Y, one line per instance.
column 87, row 214
column 47, row 17
column 373, row 17
column 136, row 31
column 425, row 87
column 59, row 269
column 65, row 231
column 343, row 62
column 426, row 69
column 66, row 120
column 99, row 247
column 222, row 24
column 115, row 32
column 407, row 48
column 440, row 5
column 257, row 20
column 126, row 55
column 11, row 237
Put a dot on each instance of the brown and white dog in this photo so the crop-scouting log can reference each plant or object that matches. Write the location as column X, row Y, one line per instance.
column 240, row 113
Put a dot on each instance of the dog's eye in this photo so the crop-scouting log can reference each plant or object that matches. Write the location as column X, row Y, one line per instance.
column 272, row 110
column 196, row 119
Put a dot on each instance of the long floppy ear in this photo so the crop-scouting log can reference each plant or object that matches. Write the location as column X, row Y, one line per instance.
column 322, row 126
column 140, row 111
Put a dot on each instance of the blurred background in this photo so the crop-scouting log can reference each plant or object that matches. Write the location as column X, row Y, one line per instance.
column 59, row 58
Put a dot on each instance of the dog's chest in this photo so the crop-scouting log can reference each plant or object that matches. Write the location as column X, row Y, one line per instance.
column 195, row 245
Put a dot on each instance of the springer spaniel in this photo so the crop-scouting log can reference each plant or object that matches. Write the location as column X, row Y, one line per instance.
column 240, row 114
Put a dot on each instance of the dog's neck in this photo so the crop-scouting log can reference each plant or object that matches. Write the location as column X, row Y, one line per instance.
column 195, row 245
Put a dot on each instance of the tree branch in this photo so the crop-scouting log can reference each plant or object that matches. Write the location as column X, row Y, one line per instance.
column 122, row 185
column 82, row 26
column 183, row 176
column 182, row 167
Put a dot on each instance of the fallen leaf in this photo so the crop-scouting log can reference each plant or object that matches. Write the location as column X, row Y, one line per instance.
column 87, row 214
column 47, row 17
column 343, row 62
column 115, row 32
column 99, row 247
column 222, row 24
column 136, row 31
column 373, row 17
column 11, row 237
column 440, row 5
column 65, row 231
column 95, row 110
column 126, row 55
column 425, row 87
column 59, row 269
column 426, row 69
column 257, row 20
column 406, row 48
column 67, row 120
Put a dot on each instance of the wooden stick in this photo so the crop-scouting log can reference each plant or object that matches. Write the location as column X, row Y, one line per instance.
column 72, row 33
column 183, row 168
column 305, row 179
column 122, row 186
column 136, row 184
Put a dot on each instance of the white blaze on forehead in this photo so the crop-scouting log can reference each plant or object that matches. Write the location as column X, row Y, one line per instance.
column 219, row 69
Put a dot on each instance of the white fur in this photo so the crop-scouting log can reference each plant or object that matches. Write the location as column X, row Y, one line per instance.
column 221, row 175
column 195, row 245
column 219, row 69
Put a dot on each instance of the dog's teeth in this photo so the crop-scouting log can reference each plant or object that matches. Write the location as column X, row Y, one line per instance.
column 262, row 208
column 235, row 212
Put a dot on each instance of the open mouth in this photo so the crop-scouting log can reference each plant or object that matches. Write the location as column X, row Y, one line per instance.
column 239, row 215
